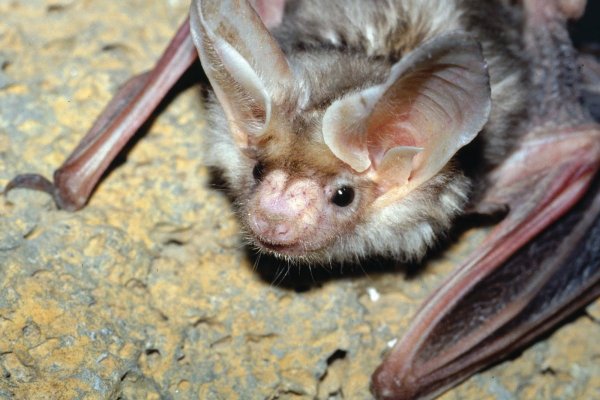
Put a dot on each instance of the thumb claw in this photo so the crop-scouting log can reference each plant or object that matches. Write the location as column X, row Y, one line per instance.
column 33, row 182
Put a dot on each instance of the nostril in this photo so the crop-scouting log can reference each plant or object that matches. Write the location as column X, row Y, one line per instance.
column 282, row 230
column 259, row 223
column 272, row 230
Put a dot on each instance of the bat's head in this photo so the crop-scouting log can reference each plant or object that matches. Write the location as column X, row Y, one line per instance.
column 333, row 155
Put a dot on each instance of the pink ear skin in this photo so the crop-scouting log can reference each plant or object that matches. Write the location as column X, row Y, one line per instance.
column 243, row 62
column 396, row 167
column 404, row 131
column 270, row 11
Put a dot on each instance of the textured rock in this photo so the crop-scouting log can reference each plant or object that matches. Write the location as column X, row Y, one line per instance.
column 148, row 293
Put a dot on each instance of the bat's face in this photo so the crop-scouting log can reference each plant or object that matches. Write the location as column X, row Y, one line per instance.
column 295, row 198
column 332, row 156
column 299, row 211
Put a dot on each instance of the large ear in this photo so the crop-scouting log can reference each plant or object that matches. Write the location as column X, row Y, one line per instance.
column 436, row 100
column 243, row 62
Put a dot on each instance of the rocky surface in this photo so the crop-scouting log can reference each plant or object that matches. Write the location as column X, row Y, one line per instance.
column 148, row 293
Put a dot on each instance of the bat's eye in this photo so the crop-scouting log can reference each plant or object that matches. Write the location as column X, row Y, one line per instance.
column 258, row 172
column 343, row 197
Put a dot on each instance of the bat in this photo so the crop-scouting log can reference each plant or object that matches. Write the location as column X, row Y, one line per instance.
column 353, row 133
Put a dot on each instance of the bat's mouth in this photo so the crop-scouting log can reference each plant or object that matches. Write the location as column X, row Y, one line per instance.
column 273, row 246
column 294, row 249
column 287, row 248
column 299, row 248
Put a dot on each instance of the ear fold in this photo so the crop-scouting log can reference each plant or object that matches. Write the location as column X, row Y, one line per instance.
column 435, row 101
column 242, row 60
column 270, row 11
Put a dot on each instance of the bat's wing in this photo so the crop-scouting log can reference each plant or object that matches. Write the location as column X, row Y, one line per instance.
column 539, row 264
column 509, row 292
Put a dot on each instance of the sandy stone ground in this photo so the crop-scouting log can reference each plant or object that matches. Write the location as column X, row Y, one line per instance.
column 148, row 292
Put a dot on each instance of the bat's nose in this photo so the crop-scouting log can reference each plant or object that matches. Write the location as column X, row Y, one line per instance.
column 287, row 211
column 280, row 233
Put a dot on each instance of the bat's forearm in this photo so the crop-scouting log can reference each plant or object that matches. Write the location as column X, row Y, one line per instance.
column 458, row 334
column 131, row 107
